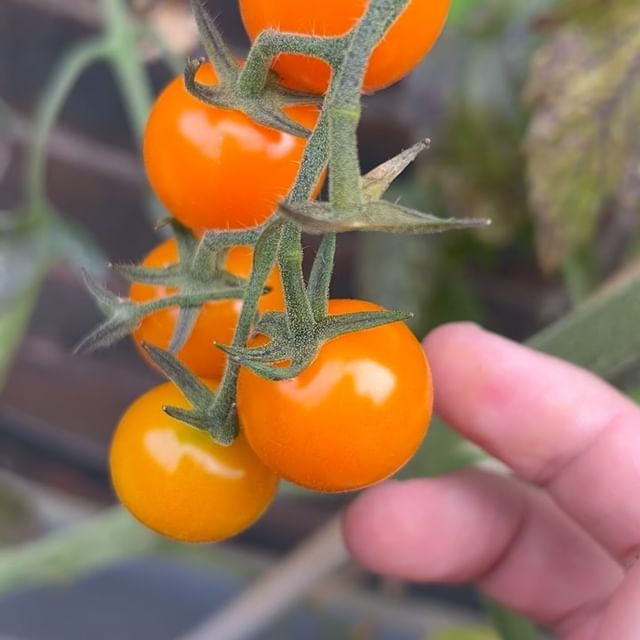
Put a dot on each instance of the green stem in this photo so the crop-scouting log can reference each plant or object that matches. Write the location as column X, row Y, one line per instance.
column 320, row 277
column 344, row 92
column 174, row 63
column 110, row 537
column 187, row 300
column 343, row 103
column 73, row 64
column 264, row 257
column 299, row 312
column 268, row 44
column 122, row 35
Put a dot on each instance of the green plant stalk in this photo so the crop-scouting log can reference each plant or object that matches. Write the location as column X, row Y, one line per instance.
column 122, row 36
column 344, row 93
column 113, row 536
column 13, row 321
column 73, row 64
column 268, row 44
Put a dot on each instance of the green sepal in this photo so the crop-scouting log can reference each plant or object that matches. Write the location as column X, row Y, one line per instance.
column 214, row 45
column 187, row 318
column 202, row 416
column 266, row 109
column 122, row 317
column 333, row 326
column 321, row 217
column 194, row 390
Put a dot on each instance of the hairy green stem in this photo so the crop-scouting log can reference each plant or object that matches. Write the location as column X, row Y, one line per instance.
column 269, row 44
column 299, row 313
column 344, row 93
column 343, row 102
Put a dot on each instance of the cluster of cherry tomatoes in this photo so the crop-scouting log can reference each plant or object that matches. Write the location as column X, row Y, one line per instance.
column 361, row 409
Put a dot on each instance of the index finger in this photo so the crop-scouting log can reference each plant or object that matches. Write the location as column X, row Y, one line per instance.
column 554, row 424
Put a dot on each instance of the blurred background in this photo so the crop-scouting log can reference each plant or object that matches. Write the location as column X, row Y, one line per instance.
column 529, row 106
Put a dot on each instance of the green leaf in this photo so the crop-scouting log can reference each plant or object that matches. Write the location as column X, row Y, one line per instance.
column 602, row 334
column 443, row 451
column 583, row 143
column 320, row 217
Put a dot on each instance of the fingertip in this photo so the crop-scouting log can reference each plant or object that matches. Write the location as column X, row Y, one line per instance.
column 450, row 336
column 364, row 523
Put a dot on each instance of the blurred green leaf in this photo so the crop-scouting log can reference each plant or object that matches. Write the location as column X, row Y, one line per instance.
column 583, row 143
column 460, row 9
column 443, row 451
column 470, row 632
column 510, row 625
column 602, row 333
column 6, row 117
column 24, row 255
column 75, row 244
column 14, row 318
column 24, row 260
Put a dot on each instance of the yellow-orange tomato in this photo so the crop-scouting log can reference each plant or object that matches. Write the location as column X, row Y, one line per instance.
column 408, row 40
column 178, row 481
column 354, row 417
column 217, row 168
column 216, row 322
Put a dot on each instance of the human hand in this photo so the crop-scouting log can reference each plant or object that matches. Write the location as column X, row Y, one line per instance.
column 559, row 540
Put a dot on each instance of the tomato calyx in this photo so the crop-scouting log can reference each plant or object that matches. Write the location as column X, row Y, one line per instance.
column 206, row 413
column 295, row 337
column 261, row 98
column 197, row 278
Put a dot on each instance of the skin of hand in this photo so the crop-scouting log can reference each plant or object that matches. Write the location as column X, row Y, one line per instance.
column 559, row 539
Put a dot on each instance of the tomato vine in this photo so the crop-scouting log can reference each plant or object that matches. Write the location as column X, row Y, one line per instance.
column 295, row 335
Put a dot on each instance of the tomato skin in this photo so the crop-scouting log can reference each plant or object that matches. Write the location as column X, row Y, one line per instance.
column 352, row 418
column 217, row 320
column 408, row 40
column 216, row 168
column 178, row 481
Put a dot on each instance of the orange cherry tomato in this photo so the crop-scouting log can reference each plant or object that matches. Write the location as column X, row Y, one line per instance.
column 217, row 320
column 408, row 40
column 217, row 168
column 354, row 417
column 178, row 481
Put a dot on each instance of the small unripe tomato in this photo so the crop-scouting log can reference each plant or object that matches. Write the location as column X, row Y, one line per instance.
column 408, row 40
column 217, row 168
column 354, row 417
column 178, row 481
column 217, row 320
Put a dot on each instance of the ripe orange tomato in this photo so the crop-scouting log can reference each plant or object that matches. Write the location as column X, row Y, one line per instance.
column 408, row 40
column 217, row 168
column 216, row 322
column 178, row 481
column 352, row 418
